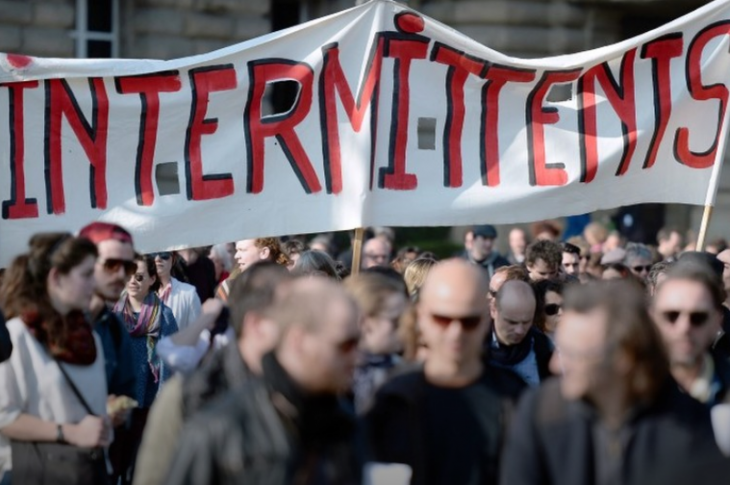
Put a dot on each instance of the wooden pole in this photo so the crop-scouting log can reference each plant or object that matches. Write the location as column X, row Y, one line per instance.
column 357, row 250
column 706, row 216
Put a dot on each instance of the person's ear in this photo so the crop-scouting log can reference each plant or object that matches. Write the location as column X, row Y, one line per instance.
column 53, row 278
column 264, row 253
column 493, row 309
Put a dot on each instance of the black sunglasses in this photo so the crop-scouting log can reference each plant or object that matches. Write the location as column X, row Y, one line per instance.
column 139, row 277
column 467, row 323
column 165, row 255
column 112, row 265
column 552, row 309
column 639, row 269
column 696, row 319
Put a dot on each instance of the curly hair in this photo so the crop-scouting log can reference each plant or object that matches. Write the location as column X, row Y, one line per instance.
column 276, row 253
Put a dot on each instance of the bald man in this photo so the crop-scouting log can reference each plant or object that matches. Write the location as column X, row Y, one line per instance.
column 445, row 420
column 515, row 343
column 289, row 424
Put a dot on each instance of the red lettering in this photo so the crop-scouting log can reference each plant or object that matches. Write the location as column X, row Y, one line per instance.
column 497, row 77
column 622, row 99
column 60, row 103
column 203, row 81
column 460, row 66
column 404, row 50
column 333, row 81
column 18, row 206
column 149, row 88
column 700, row 92
column 661, row 51
column 257, row 129
column 541, row 172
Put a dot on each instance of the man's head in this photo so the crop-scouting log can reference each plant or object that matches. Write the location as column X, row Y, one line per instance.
column 482, row 242
column 606, row 342
column 513, row 312
column 504, row 274
column 453, row 314
column 115, row 263
column 249, row 251
column 724, row 257
column 543, row 259
column 321, row 331
column 638, row 259
column 687, row 309
column 375, row 252
column 670, row 242
column 571, row 259
column 657, row 274
column 250, row 299
column 517, row 241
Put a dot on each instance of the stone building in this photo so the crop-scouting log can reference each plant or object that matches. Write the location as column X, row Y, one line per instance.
column 167, row 29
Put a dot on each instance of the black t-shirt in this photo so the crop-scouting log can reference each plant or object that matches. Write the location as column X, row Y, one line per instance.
column 463, row 430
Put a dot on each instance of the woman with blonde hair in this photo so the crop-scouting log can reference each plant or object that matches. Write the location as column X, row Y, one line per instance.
column 415, row 274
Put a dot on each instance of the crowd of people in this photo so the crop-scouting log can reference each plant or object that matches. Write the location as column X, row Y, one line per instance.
column 590, row 361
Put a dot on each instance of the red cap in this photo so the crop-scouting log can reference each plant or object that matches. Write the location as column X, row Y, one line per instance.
column 97, row 232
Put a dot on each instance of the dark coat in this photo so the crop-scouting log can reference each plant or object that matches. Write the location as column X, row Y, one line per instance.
column 551, row 442
column 6, row 345
column 395, row 424
column 121, row 375
column 221, row 372
column 263, row 434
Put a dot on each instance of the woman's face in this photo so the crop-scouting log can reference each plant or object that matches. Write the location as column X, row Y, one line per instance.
column 74, row 290
column 553, row 310
column 380, row 332
column 139, row 284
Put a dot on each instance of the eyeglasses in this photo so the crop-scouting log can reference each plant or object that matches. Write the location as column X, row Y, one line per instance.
column 493, row 293
column 348, row 345
column 377, row 257
column 696, row 319
column 639, row 269
column 165, row 255
column 552, row 309
column 112, row 265
column 467, row 323
column 139, row 277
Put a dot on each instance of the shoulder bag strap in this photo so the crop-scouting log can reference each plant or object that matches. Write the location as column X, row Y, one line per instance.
column 73, row 386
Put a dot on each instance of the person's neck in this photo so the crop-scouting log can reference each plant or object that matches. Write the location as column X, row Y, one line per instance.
column 452, row 374
column 136, row 303
column 165, row 279
column 687, row 374
column 96, row 307
column 613, row 405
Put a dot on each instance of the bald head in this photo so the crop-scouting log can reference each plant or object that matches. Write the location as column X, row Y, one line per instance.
column 307, row 302
column 455, row 280
column 375, row 252
column 513, row 312
column 515, row 293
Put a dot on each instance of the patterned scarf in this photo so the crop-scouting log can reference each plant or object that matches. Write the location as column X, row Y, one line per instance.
column 145, row 323
column 69, row 339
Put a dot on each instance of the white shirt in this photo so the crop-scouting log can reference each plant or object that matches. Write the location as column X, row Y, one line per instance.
column 184, row 302
column 31, row 383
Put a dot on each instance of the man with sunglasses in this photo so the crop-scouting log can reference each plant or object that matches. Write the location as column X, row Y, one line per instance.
column 638, row 259
column 446, row 420
column 515, row 343
column 687, row 309
column 114, row 266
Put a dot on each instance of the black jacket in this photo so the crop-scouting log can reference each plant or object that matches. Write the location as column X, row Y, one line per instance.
column 267, row 432
column 396, row 423
column 542, row 347
column 6, row 345
column 221, row 372
column 551, row 442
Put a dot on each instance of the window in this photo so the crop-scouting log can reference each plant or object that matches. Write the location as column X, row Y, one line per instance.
column 97, row 28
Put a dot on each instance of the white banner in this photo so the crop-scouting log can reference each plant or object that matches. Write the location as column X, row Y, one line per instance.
column 399, row 121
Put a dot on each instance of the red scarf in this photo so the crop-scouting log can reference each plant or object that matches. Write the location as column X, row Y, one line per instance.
column 74, row 339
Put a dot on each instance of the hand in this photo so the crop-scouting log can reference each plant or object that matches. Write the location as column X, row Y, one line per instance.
column 91, row 432
column 209, row 312
column 121, row 415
